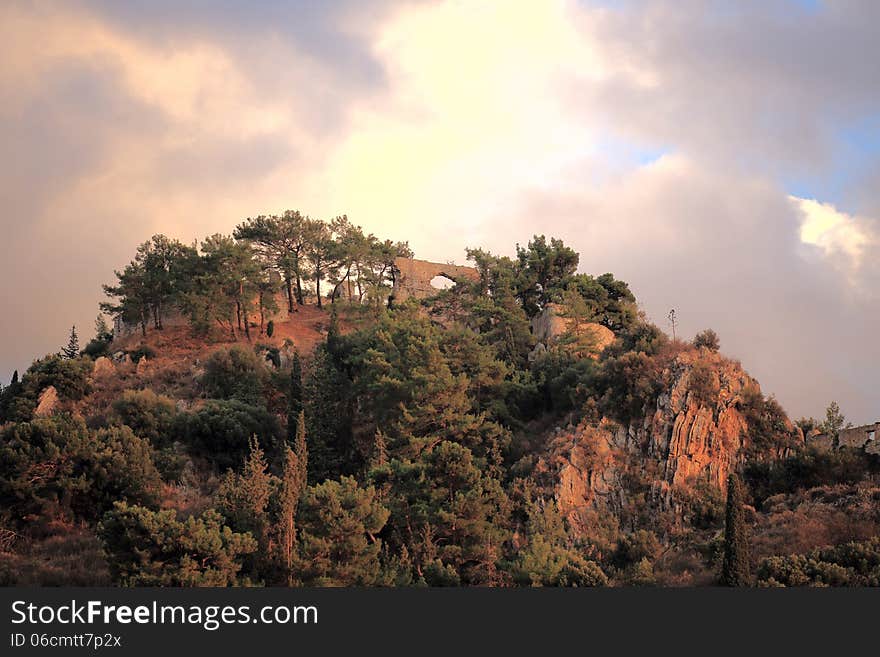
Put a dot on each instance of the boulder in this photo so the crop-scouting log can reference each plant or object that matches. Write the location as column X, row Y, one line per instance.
column 103, row 367
column 47, row 403
column 590, row 338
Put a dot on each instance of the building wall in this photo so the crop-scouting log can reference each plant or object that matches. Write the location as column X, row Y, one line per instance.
column 413, row 277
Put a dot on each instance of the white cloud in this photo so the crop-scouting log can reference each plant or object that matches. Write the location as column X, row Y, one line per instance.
column 842, row 237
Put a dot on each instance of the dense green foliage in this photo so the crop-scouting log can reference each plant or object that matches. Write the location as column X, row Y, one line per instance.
column 736, row 567
column 154, row 548
column 57, row 466
column 850, row 564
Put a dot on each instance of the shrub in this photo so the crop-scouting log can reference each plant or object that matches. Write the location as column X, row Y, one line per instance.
column 849, row 564
column 154, row 548
column 149, row 415
column 97, row 347
column 143, row 351
column 704, row 384
column 69, row 376
column 270, row 328
column 234, row 373
column 221, row 430
column 630, row 383
column 707, row 339
column 58, row 466
column 808, row 468
column 635, row 547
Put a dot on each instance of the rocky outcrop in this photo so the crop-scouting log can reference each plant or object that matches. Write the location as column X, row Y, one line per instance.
column 47, row 403
column 697, row 429
column 551, row 324
column 103, row 367
column 695, row 433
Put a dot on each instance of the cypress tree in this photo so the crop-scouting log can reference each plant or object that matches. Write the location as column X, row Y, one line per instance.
column 72, row 348
column 301, row 450
column 292, row 487
column 735, row 569
column 295, row 398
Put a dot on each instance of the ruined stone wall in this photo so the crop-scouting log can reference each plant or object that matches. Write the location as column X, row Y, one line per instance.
column 412, row 278
column 866, row 437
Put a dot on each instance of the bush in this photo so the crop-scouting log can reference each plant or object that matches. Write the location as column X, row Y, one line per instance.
column 270, row 328
column 850, row 564
column 154, row 548
column 635, row 547
column 630, row 383
column 221, row 429
column 97, row 347
column 703, row 384
column 234, row 373
column 707, row 339
column 149, row 415
column 143, row 351
column 57, row 466
column 69, row 376
column 564, row 382
column 808, row 468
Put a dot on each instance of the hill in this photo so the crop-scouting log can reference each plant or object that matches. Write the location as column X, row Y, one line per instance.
column 284, row 408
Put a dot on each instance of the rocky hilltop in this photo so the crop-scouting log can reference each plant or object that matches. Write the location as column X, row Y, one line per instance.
column 694, row 435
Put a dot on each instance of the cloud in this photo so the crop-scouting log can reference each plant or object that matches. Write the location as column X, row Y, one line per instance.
column 658, row 138
column 840, row 236
column 724, row 250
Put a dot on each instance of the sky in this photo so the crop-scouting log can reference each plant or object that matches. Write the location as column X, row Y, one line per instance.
column 721, row 157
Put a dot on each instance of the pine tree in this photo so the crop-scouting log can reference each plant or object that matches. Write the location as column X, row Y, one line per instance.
column 295, row 401
column 243, row 498
column 735, row 569
column 102, row 331
column 72, row 348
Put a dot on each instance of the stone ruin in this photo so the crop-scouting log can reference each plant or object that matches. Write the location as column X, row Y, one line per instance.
column 412, row 278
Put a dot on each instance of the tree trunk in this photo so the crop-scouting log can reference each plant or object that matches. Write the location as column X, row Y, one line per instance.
column 318, row 285
column 247, row 328
column 299, row 289
column 288, row 284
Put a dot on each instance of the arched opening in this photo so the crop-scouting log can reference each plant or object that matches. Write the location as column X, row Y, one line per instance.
column 441, row 282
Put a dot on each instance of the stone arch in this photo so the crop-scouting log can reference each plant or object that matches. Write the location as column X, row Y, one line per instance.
column 412, row 278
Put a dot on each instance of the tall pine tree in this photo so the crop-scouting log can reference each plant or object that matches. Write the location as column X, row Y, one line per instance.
column 72, row 348
column 735, row 569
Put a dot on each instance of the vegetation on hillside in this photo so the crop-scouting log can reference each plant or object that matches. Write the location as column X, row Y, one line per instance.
column 400, row 451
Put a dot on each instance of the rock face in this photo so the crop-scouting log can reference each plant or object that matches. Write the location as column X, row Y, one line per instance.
column 695, row 434
column 47, row 403
column 550, row 324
